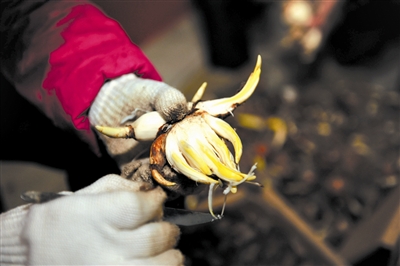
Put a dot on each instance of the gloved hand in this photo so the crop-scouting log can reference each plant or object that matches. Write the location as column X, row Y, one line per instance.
column 112, row 221
column 122, row 100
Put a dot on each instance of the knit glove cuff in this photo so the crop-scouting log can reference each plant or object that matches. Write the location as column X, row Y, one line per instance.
column 12, row 250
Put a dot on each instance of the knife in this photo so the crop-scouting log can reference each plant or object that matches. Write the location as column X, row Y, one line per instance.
column 180, row 217
column 184, row 217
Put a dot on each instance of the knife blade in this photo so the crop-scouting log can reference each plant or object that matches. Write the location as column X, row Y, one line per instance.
column 180, row 217
column 184, row 217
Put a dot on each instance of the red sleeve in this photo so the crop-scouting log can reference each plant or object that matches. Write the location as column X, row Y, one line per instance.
column 70, row 48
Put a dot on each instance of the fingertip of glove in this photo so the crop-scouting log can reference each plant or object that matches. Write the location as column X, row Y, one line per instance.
column 172, row 104
column 169, row 233
column 177, row 256
column 145, row 187
column 159, row 194
column 173, row 257
column 177, row 232
column 169, row 257
column 177, row 112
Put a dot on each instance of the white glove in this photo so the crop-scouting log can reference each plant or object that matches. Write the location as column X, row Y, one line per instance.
column 131, row 96
column 113, row 221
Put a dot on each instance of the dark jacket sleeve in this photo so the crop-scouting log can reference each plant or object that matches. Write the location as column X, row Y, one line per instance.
column 58, row 54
